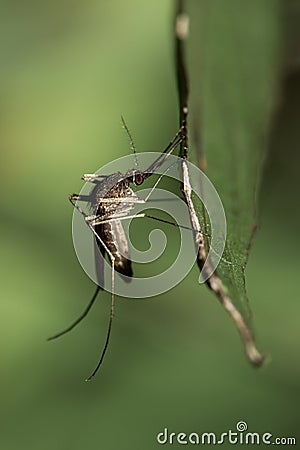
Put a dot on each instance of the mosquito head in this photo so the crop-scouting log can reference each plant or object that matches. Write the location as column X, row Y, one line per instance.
column 136, row 177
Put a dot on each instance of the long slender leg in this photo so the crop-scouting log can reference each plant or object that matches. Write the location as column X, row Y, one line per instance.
column 98, row 221
column 91, row 220
column 112, row 283
column 83, row 315
column 82, row 198
column 191, row 229
column 92, row 177
column 173, row 223
column 112, row 308
column 118, row 200
column 86, row 198
column 136, row 216
column 94, row 221
column 74, row 197
column 98, row 288
column 159, row 179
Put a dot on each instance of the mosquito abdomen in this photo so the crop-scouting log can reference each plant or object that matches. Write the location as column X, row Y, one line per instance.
column 113, row 234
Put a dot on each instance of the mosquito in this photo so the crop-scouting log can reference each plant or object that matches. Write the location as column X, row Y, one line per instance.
column 112, row 199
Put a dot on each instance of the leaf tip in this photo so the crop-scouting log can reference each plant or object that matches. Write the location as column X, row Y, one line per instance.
column 256, row 358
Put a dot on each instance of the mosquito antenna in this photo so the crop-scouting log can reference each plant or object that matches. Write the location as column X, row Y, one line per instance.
column 132, row 144
column 83, row 315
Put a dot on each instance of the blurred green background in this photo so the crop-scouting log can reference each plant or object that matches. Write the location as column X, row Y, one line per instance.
column 69, row 69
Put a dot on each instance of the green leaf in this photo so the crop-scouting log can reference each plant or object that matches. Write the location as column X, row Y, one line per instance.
column 233, row 60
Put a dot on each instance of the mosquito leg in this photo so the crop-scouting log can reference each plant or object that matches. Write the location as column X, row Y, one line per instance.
column 83, row 315
column 86, row 198
column 112, row 307
column 92, row 177
column 191, row 229
column 98, row 220
column 94, row 220
column 174, row 224
column 121, row 200
column 74, row 197
column 82, row 198
column 157, row 181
